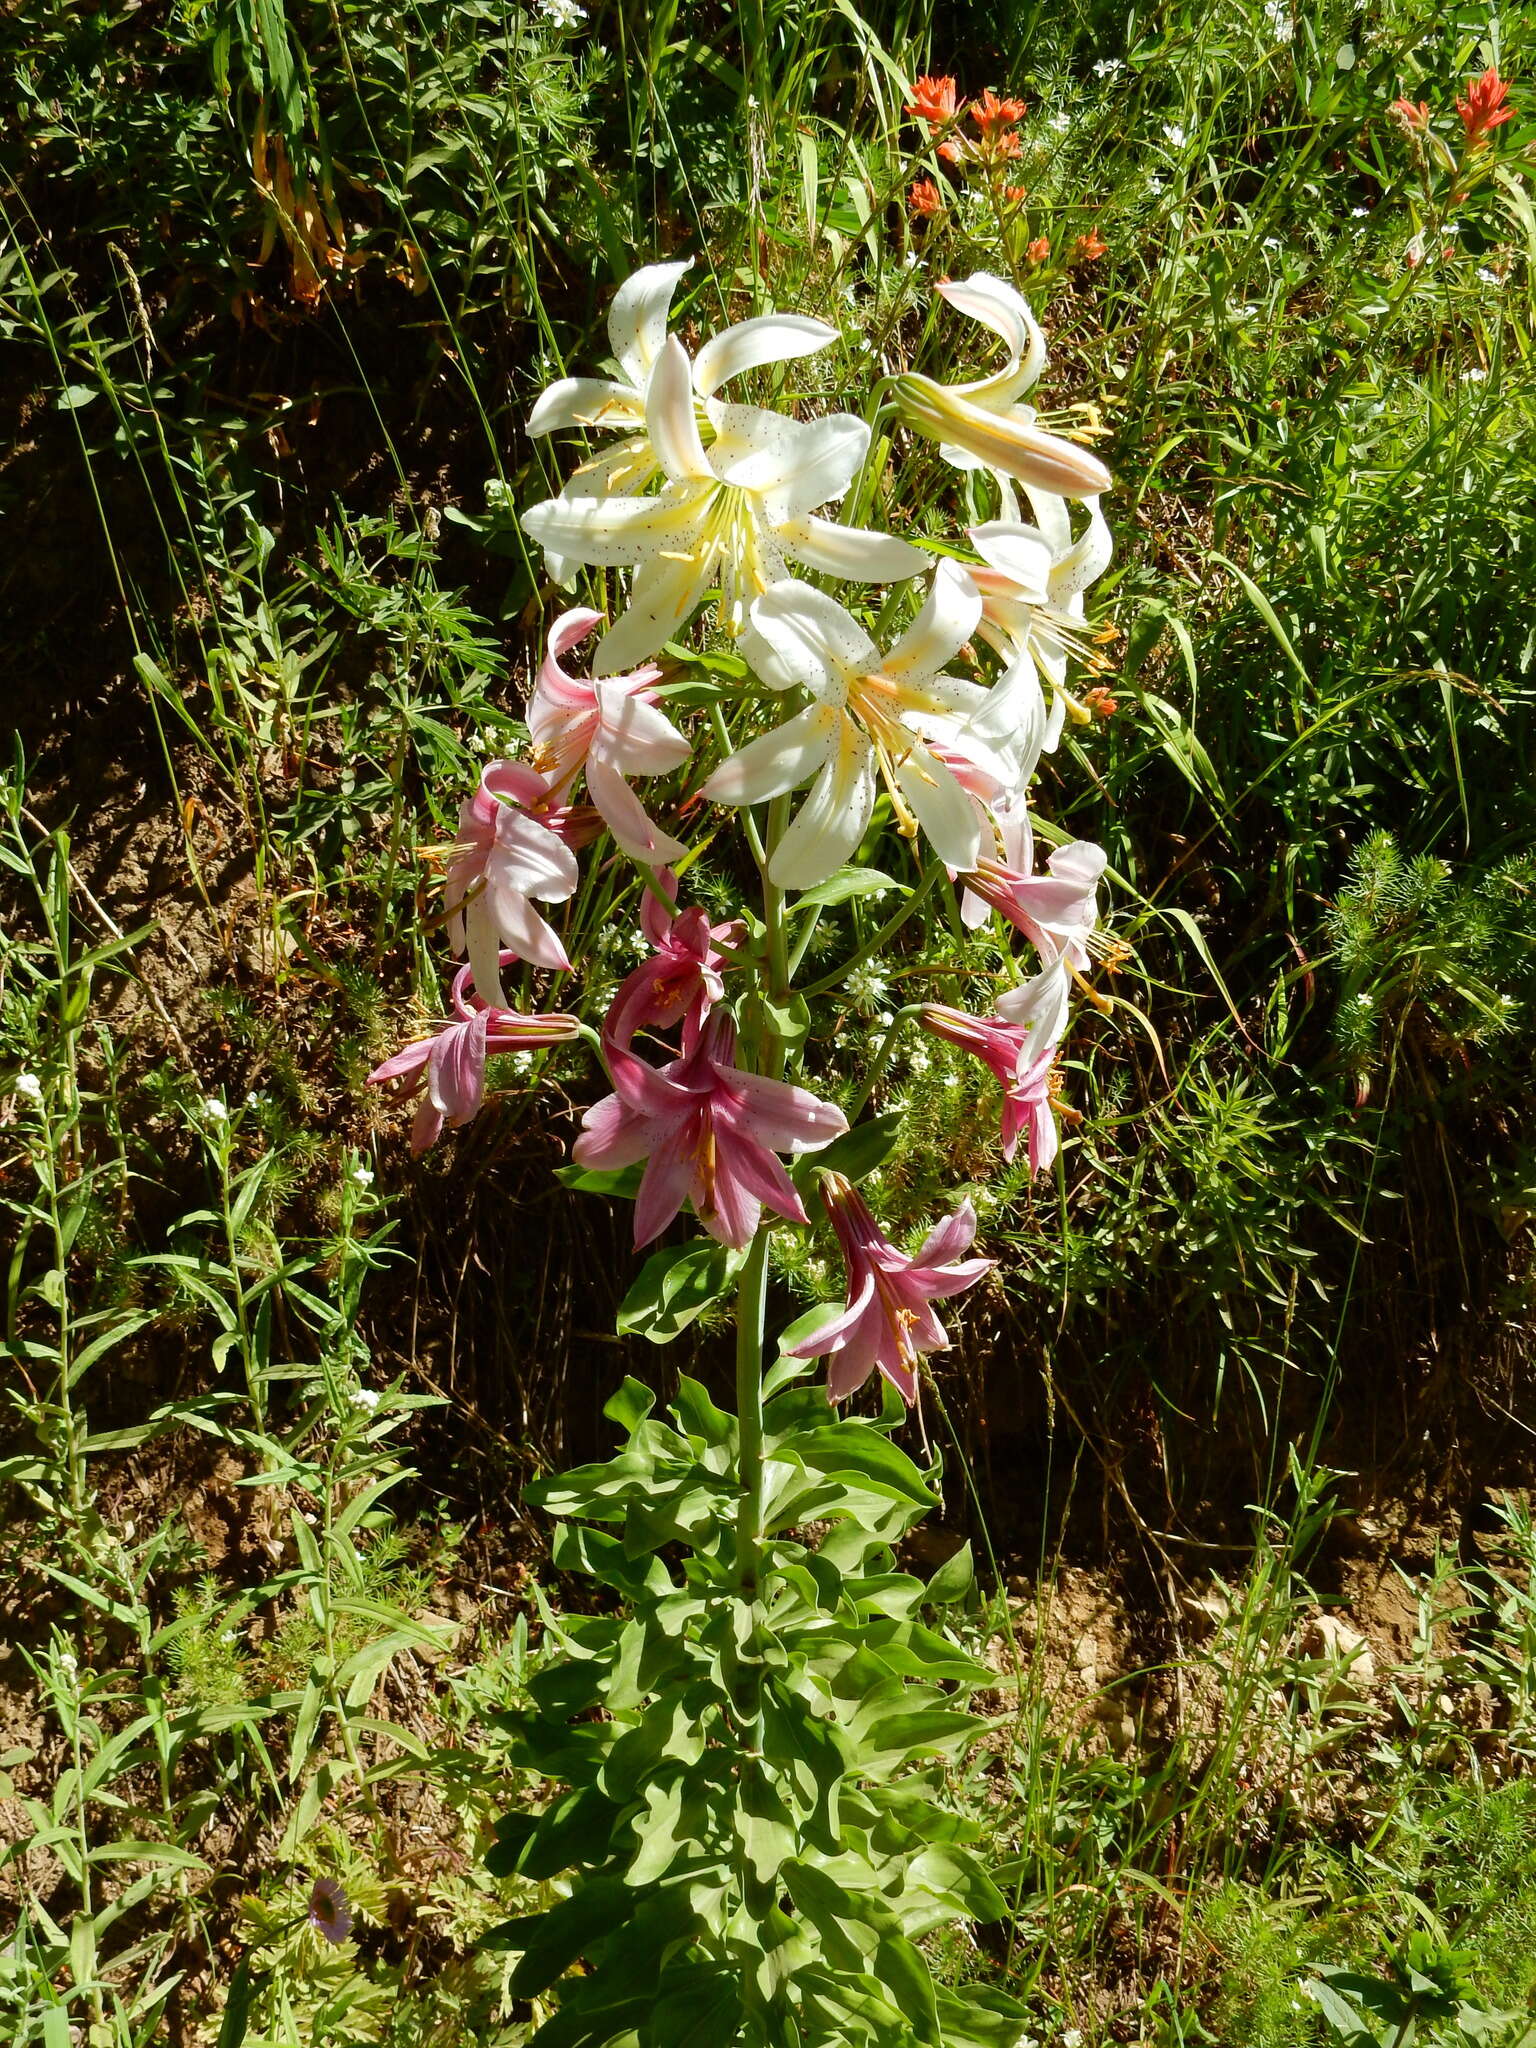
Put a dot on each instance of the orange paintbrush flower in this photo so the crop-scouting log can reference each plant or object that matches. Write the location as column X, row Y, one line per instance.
column 1089, row 248
column 924, row 197
column 933, row 101
column 1485, row 107
column 993, row 115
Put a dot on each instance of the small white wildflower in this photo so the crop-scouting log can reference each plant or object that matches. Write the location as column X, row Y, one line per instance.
column 1174, row 133
column 1155, row 185
column 867, row 987
column 1278, row 14
column 254, row 1098
column 1108, row 67
column 363, row 1176
column 1072, row 2038
column 69, row 1663
column 1271, row 242
column 1359, row 213
column 884, row 1019
column 911, row 261
column 523, row 1061
column 949, row 1079
column 563, row 13
column 1485, row 276
column 30, row 1086
column 229, row 1635
column 476, row 743
column 308, row 1517
column 1364, row 998
column 1061, row 122
column 1477, row 375
column 214, row 1110
column 919, row 1062
column 365, row 1398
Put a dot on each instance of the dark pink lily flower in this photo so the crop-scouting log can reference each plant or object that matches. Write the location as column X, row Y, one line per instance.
column 708, row 1133
column 611, row 727
column 450, row 1065
column 514, row 845
column 1013, row 1053
column 682, row 977
column 889, row 1321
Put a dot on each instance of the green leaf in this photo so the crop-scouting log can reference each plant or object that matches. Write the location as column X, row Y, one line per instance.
column 623, row 1182
column 848, row 883
column 854, row 1450
column 550, row 1942
column 856, row 1153
column 674, row 1287
column 699, row 2007
column 630, row 1405
column 954, row 1579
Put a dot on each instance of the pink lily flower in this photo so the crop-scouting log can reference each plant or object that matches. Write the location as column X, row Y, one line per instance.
column 889, row 1321
column 1012, row 1053
column 1056, row 911
column 682, row 977
column 708, row 1133
column 450, row 1065
column 611, row 727
column 514, row 844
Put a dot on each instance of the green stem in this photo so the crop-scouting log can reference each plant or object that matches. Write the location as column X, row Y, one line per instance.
column 887, row 931
column 751, row 1312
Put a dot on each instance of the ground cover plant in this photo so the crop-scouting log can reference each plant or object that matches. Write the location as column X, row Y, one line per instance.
column 303, row 1624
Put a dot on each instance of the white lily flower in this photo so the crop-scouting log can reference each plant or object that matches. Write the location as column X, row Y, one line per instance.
column 735, row 513
column 983, row 425
column 637, row 330
column 1033, row 580
column 893, row 712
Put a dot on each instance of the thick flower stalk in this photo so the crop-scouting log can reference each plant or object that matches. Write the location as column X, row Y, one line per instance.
column 708, row 1133
column 888, row 1323
column 610, row 729
column 985, row 424
column 515, row 847
column 734, row 513
column 1014, row 1055
column 448, row 1066
column 894, row 716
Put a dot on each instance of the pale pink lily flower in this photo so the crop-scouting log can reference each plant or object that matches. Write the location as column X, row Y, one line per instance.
column 514, row 845
column 610, row 727
column 1013, row 1054
column 450, row 1064
column 708, row 1133
column 682, row 978
column 889, row 1320
column 1056, row 912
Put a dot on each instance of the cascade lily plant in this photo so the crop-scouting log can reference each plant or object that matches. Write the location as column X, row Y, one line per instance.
column 985, row 424
column 746, row 1740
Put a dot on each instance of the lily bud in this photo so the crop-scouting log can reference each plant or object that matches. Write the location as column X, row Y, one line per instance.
column 1003, row 441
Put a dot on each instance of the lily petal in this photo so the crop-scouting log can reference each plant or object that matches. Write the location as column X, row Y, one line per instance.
column 615, row 532
column 634, row 832
column 586, row 402
column 772, row 338
column 637, row 737
column 777, row 760
column 947, row 815
column 637, row 319
column 669, row 416
column 663, row 597
column 856, row 553
column 947, row 620
column 996, row 304
column 833, row 818
column 798, row 636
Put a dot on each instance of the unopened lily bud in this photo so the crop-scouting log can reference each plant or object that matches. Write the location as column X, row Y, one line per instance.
column 1005, row 441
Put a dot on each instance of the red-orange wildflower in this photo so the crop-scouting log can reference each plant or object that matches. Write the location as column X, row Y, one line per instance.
column 1089, row 248
column 953, row 152
column 992, row 115
column 1015, row 194
column 1039, row 250
column 1412, row 116
column 924, row 197
column 933, row 101
column 1485, row 107
column 1100, row 702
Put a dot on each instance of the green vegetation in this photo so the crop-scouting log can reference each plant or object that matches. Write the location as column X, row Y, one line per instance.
column 1238, row 1431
